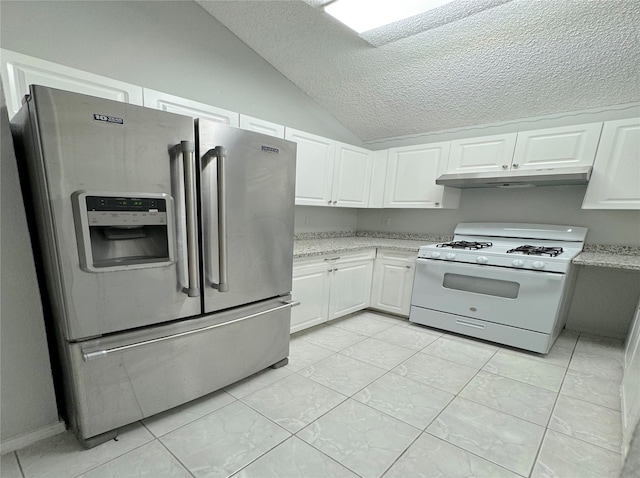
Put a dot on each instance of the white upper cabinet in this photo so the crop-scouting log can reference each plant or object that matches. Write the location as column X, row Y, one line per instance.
column 314, row 167
column 19, row 71
column 615, row 180
column 330, row 173
column 488, row 153
column 411, row 176
column 261, row 126
column 569, row 146
column 351, row 176
column 175, row 104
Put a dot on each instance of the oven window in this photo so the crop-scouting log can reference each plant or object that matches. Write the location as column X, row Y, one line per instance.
column 481, row 285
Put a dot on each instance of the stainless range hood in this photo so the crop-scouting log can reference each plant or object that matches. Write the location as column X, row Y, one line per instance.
column 517, row 179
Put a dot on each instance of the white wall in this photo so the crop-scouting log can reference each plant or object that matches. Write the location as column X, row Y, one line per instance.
column 170, row 46
column 544, row 205
column 27, row 400
column 325, row 219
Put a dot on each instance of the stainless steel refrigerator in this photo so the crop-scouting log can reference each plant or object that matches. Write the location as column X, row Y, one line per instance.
column 167, row 249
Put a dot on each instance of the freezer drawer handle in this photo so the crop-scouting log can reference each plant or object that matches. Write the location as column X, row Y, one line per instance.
column 221, row 153
column 188, row 156
column 86, row 356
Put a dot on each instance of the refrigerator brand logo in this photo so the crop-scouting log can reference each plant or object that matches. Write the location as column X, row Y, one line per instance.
column 108, row 119
column 269, row 149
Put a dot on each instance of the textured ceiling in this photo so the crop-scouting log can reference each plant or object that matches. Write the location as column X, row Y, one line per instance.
column 512, row 59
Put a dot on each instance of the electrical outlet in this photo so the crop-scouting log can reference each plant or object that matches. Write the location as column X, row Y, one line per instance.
column 307, row 221
column 385, row 221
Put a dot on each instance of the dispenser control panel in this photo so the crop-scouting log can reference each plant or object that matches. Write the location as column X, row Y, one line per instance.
column 126, row 211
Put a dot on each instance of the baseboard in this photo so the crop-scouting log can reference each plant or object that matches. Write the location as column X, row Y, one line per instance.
column 21, row 441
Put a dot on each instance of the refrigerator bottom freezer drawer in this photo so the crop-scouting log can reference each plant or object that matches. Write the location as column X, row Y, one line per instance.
column 137, row 379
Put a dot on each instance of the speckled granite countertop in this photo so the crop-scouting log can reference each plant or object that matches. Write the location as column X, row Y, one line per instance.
column 307, row 245
column 615, row 257
column 315, row 244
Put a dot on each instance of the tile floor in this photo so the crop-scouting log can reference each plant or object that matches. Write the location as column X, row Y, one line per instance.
column 372, row 395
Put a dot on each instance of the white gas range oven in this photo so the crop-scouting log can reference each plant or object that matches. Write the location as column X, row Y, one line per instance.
column 504, row 282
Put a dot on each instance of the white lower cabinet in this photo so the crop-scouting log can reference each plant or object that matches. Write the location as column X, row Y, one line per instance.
column 631, row 383
column 330, row 286
column 393, row 273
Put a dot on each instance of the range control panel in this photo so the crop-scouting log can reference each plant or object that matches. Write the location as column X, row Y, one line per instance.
column 126, row 211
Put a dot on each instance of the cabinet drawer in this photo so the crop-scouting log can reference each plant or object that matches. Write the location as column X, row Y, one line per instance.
column 402, row 256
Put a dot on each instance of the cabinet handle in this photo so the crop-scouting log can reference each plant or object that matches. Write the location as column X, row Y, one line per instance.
column 408, row 267
column 516, row 165
column 332, row 258
column 505, row 166
column 335, row 202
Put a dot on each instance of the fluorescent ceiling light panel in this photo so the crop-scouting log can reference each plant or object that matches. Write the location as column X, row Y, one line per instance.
column 365, row 15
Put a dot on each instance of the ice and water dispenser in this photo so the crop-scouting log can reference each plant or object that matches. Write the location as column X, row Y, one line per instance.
column 123, row 231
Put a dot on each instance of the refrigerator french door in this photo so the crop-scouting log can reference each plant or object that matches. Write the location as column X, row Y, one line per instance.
column 167, row 257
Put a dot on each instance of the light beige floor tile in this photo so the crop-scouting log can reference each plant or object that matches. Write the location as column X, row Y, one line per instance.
column 588, row 422
column 256, row 381
column 294, row 401
column 303, row 353
column 295, row 459
column 151, row 460
column 379, row 353
column 467, row 352
column 412, row 402
column 563, row 456
column 342, row 374
column 430, row 457
column 524, row 369
column 593, row 388
column 62, row 455
column 9, row 467
column 503, row 439
column 362, row 439
column 223, row 442
column 510, row 396
column 363, row 324
column 408, row 337
column 165, row 422
column 333, row 338
column 436, row 372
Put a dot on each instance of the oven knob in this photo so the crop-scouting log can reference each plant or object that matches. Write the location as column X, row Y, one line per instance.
column 518, row 263
column 538, row 265
column 482, row 260
column 435, row 255
column 451, row 255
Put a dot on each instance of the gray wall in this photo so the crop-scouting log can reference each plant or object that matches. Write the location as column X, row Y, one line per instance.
column 27, row 401
column 170, row 46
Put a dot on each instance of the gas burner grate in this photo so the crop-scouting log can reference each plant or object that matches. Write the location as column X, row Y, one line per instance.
column 465, row 245
column 537, row 250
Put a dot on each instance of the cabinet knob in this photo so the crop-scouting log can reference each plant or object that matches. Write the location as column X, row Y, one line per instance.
column 408, row 267
column 328, row 202
column 505, row 166
column 516, row 165
column 335, row 202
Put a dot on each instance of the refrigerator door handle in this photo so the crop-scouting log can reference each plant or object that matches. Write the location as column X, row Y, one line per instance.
column 90, row 355
column 220, row 153
column 188, row 157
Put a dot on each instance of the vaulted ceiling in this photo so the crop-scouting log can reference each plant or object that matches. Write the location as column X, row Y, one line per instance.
column 469, row 62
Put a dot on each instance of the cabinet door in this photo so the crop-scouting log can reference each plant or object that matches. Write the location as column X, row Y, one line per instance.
column 569, row 146
column 351, row 176
column 311, row 288
column 631, row 383
column 488, row 153
column 392, row 285
column 411, row 176
column 350, row 288
column 261, row 126
column 314, row 168
column 175, row 104
column 19, row 71
column 616, row 169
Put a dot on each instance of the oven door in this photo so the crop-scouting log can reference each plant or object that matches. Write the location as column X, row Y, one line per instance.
column 518, row 298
